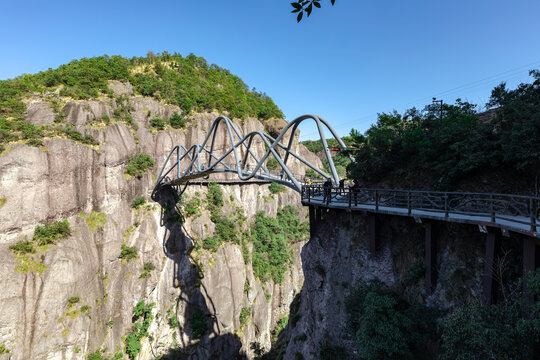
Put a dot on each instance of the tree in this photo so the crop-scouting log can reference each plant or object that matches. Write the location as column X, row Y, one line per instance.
column 306, row 6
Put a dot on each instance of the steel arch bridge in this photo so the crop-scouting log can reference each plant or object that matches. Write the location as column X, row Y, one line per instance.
column 200, row 160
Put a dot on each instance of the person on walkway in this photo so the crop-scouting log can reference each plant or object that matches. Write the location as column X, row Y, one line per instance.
column 342, row 187
column 355, row 188
column 327, row 186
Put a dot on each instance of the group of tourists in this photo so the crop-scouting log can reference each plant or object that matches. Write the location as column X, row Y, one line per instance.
column 354, row 188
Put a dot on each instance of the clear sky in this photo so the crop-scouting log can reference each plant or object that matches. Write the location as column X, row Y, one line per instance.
column 345, row 63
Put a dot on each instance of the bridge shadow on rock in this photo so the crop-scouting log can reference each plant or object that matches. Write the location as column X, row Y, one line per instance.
column 201, row 336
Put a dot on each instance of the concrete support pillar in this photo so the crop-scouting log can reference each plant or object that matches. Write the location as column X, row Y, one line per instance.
column 529, row 265
column 489, row 266
column 430, row 259
column 372, row 229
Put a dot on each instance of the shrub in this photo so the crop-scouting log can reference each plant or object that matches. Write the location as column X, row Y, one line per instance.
column 142, row 318
column 280, row 326
column 244, row 316
column 128, row 252
column 177, row 121
column 214, row 197
column 74, row 135
column 147, row 268
column 23, row 247
column 96, row 220
column 50, row 233
column 157, row 123
column 272, row 163
column 199, row 323
column 139, row 164
column 276, row 188
column 73, row 300
column 171, row 318
column 138, row 202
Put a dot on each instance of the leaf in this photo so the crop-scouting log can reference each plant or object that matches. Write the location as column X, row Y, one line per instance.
column 317, row 5
column 296, row 5
column 299, row 17
column 295, row 11
column 332, row 1
column 309, row 9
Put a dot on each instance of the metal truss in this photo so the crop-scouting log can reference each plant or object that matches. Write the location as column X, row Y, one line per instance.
column 200, row 160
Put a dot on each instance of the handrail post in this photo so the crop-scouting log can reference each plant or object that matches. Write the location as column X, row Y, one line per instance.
column 178, row 162
column 532, row 212
column 376, row 200
column 309, row 194
column 491, row 208
column 409, row 202
column 446, row 205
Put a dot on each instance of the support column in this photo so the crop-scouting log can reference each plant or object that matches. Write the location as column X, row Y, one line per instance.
column 529, row 265
column 430, row 259
column 488, row 283
column 372, row 228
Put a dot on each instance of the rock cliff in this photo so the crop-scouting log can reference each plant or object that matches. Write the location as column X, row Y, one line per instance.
column 75, row 296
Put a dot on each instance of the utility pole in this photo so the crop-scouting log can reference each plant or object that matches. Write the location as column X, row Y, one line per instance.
column 440, row 102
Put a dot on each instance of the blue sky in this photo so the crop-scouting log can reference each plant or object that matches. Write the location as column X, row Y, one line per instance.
column 345, row 63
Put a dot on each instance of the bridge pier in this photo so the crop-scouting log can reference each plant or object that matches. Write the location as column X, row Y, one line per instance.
column 489, row 285
column 530, row 262
column 430, row 258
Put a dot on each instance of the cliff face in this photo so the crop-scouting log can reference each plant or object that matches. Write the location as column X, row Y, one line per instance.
column 74, row 297
column 338, row 257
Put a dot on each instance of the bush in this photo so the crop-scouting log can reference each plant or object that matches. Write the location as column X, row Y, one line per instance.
column 34, row 142
column 73, row 300
column 280, row 326
column 244, row 317
column 147, row 268
column 128, row 252
column 214, row 197
column 177, row 121
column 276, row 188
column 157, row 123
column 199, row 323
column 139, row 164
column 272, row 163
column 138, row 202
column 50, row 233
column 142, row 317
column 77, row 136
column 23, row 247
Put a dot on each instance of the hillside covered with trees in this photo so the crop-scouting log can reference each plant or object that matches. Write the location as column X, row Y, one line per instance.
column 456, row 147
column 189, row 82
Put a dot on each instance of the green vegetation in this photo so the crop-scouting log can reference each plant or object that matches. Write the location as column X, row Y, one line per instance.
column 302, row 7
column 198, row 322
column 50, row 233
column 191, row 207
column 128, row 252
column 430, row 149
column 244, row 317
column 96, row 220
column 275, row 188
column 177, row 121
column 22, row 247
column 142, row 317
column 507, row 330
column 98, row 355
column 272, row 163
column 73, row 300
column 157, row 123
column 171, row 318
column 189, row 82
column 139, row 164
column 147, row 268
column 394, row 328
column 138, row 202
column 280, row 326
column 214, row 197
column 271, row 239
column 3, row 349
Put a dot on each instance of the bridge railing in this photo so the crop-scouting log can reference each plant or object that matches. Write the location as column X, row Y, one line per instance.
column 516, row 209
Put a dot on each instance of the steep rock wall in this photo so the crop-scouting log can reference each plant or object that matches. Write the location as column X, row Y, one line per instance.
column 88, row 187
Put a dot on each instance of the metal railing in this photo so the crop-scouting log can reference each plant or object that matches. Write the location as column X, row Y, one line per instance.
column 522, row 211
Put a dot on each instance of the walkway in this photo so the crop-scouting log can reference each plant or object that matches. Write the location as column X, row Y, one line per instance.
column 508, row 212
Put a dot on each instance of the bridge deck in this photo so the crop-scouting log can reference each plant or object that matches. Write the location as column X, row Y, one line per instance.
column 521, row 224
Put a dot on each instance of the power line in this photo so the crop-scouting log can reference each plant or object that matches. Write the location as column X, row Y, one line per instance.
column 511, row 74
